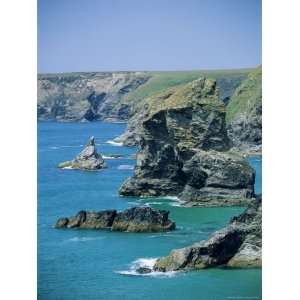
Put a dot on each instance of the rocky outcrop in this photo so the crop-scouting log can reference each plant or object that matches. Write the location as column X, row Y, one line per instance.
column 244, row 114
column 136, row 219
column 217, row 178
column 237, row 245
column 86, row 96
column 183, row 146
column 87, row 159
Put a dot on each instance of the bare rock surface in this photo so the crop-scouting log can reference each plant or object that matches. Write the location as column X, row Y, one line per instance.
column 136, row 219
column 87, row 159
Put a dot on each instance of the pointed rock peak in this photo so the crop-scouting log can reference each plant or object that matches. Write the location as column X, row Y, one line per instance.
column 91, row 141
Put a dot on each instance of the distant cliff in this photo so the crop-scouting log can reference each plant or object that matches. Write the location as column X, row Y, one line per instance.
column 244, row 113
column 86, row 96
column 112, row 96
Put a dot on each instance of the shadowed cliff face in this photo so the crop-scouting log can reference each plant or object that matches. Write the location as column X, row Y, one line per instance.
column 86, row 96
column 185, row 132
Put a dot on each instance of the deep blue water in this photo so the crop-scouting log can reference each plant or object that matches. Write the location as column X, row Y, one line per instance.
column 83, row 264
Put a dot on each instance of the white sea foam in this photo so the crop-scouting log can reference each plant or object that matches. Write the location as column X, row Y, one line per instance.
column 85, row 239
column 176, row 202
column 119, row 144
column 109, row 157
column 146, row 263
column 152, row 203
column 125, row 167
column 67, row 168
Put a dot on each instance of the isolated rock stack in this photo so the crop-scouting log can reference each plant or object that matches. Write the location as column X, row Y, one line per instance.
column 87, row 159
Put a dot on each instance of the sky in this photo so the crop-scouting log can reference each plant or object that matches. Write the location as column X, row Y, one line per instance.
column 124, row 35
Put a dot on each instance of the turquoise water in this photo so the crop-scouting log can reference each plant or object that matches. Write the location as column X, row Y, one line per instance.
column 82, row 264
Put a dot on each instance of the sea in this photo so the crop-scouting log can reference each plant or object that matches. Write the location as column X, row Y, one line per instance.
column 91, row 264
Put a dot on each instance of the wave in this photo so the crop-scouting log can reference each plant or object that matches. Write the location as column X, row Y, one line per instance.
column 67, row 168
column 84, row 239
column 66, row 146
column 119, row 144
column 152, row 203
column 145, row 263
column 108, row 157
column 125, row 167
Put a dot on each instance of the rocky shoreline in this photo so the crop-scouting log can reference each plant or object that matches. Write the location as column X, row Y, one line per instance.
column 136, row 219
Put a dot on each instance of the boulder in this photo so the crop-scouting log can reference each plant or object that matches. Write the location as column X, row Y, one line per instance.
column 136, row 219
column 87, row 159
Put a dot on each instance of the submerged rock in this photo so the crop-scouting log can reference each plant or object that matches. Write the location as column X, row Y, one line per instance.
column 184, row 150
column 136, row 219
column 87, row 159
column 237, row 245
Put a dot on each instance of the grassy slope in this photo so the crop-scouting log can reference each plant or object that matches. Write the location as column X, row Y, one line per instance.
column 163, row 80
column 246, row 96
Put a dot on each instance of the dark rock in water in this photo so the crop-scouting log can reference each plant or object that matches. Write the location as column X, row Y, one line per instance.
column 184, row 150
column 143, row 270
column 237, row 245
column 143, row 219
column 136, row 219
column 87, row 159
column 91, row 220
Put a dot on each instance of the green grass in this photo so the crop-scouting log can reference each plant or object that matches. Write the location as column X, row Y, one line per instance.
column 246, row 96
column 164, row 80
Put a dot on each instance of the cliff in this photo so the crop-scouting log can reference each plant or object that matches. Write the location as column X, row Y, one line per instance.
column 184, row 150
column 244, row 114
column 86, row 96
column 112, row 96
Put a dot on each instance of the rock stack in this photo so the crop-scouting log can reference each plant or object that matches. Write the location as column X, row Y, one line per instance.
column 87, row 159
column 184, row 150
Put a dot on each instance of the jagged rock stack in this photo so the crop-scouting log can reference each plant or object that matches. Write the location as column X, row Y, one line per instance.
column 184, row 150
column 87, row 159
column 136, row 219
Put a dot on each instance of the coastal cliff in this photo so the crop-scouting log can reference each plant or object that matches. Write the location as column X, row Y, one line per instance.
column 113, row 96
column 86, row 96
column 184, row 150
column 244, row 114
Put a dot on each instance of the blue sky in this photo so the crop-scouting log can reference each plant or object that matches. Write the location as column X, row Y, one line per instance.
column 111, row 35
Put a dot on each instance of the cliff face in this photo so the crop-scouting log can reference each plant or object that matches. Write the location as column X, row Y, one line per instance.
column 183, row 130
column 86, row 96
column 244, row 113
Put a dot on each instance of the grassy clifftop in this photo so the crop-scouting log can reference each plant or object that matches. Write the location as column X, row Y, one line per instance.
column 159, row 81
column 246, row 97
